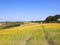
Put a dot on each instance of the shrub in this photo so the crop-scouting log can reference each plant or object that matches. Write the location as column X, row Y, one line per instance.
column 10, row 25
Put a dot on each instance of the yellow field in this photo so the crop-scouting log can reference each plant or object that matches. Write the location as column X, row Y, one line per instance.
column 31, row 34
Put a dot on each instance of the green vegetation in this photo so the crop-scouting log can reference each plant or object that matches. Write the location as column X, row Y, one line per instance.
column 50, row 19
column 10, row 24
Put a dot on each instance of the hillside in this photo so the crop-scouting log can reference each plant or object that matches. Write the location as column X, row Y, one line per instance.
column 31, row 34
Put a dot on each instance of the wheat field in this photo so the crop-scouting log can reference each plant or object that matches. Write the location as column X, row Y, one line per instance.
column 31, row 34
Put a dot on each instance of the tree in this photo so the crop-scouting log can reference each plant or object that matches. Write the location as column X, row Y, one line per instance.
column 57, row 16
column 49, row 19
column 52, row 18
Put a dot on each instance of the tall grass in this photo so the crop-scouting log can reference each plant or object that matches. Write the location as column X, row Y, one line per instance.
column 48, row 36
column 32, row 34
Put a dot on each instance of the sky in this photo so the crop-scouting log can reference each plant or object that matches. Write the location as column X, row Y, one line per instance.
column 28, row 10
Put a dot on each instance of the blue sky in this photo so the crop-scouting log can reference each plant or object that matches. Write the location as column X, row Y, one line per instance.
column 27, row 10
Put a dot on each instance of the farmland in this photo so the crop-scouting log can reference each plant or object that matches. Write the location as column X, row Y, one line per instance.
column 31, row 34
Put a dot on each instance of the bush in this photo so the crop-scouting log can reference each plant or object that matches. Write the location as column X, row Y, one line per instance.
column 10, row 25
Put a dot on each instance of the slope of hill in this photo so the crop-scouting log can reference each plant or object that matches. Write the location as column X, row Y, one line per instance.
column 31, row 34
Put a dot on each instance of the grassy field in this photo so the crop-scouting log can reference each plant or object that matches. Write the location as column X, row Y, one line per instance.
column 31, row 34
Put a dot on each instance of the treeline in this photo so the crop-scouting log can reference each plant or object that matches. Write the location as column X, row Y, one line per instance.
column 50, row 19
column 10, row 24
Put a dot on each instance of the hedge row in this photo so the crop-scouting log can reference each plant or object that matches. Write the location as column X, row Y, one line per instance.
column 10, row 25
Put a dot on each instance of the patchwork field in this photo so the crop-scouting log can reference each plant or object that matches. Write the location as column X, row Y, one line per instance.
column 31, row 34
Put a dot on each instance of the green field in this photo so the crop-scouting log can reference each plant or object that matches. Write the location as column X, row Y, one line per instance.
column 31, row 34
